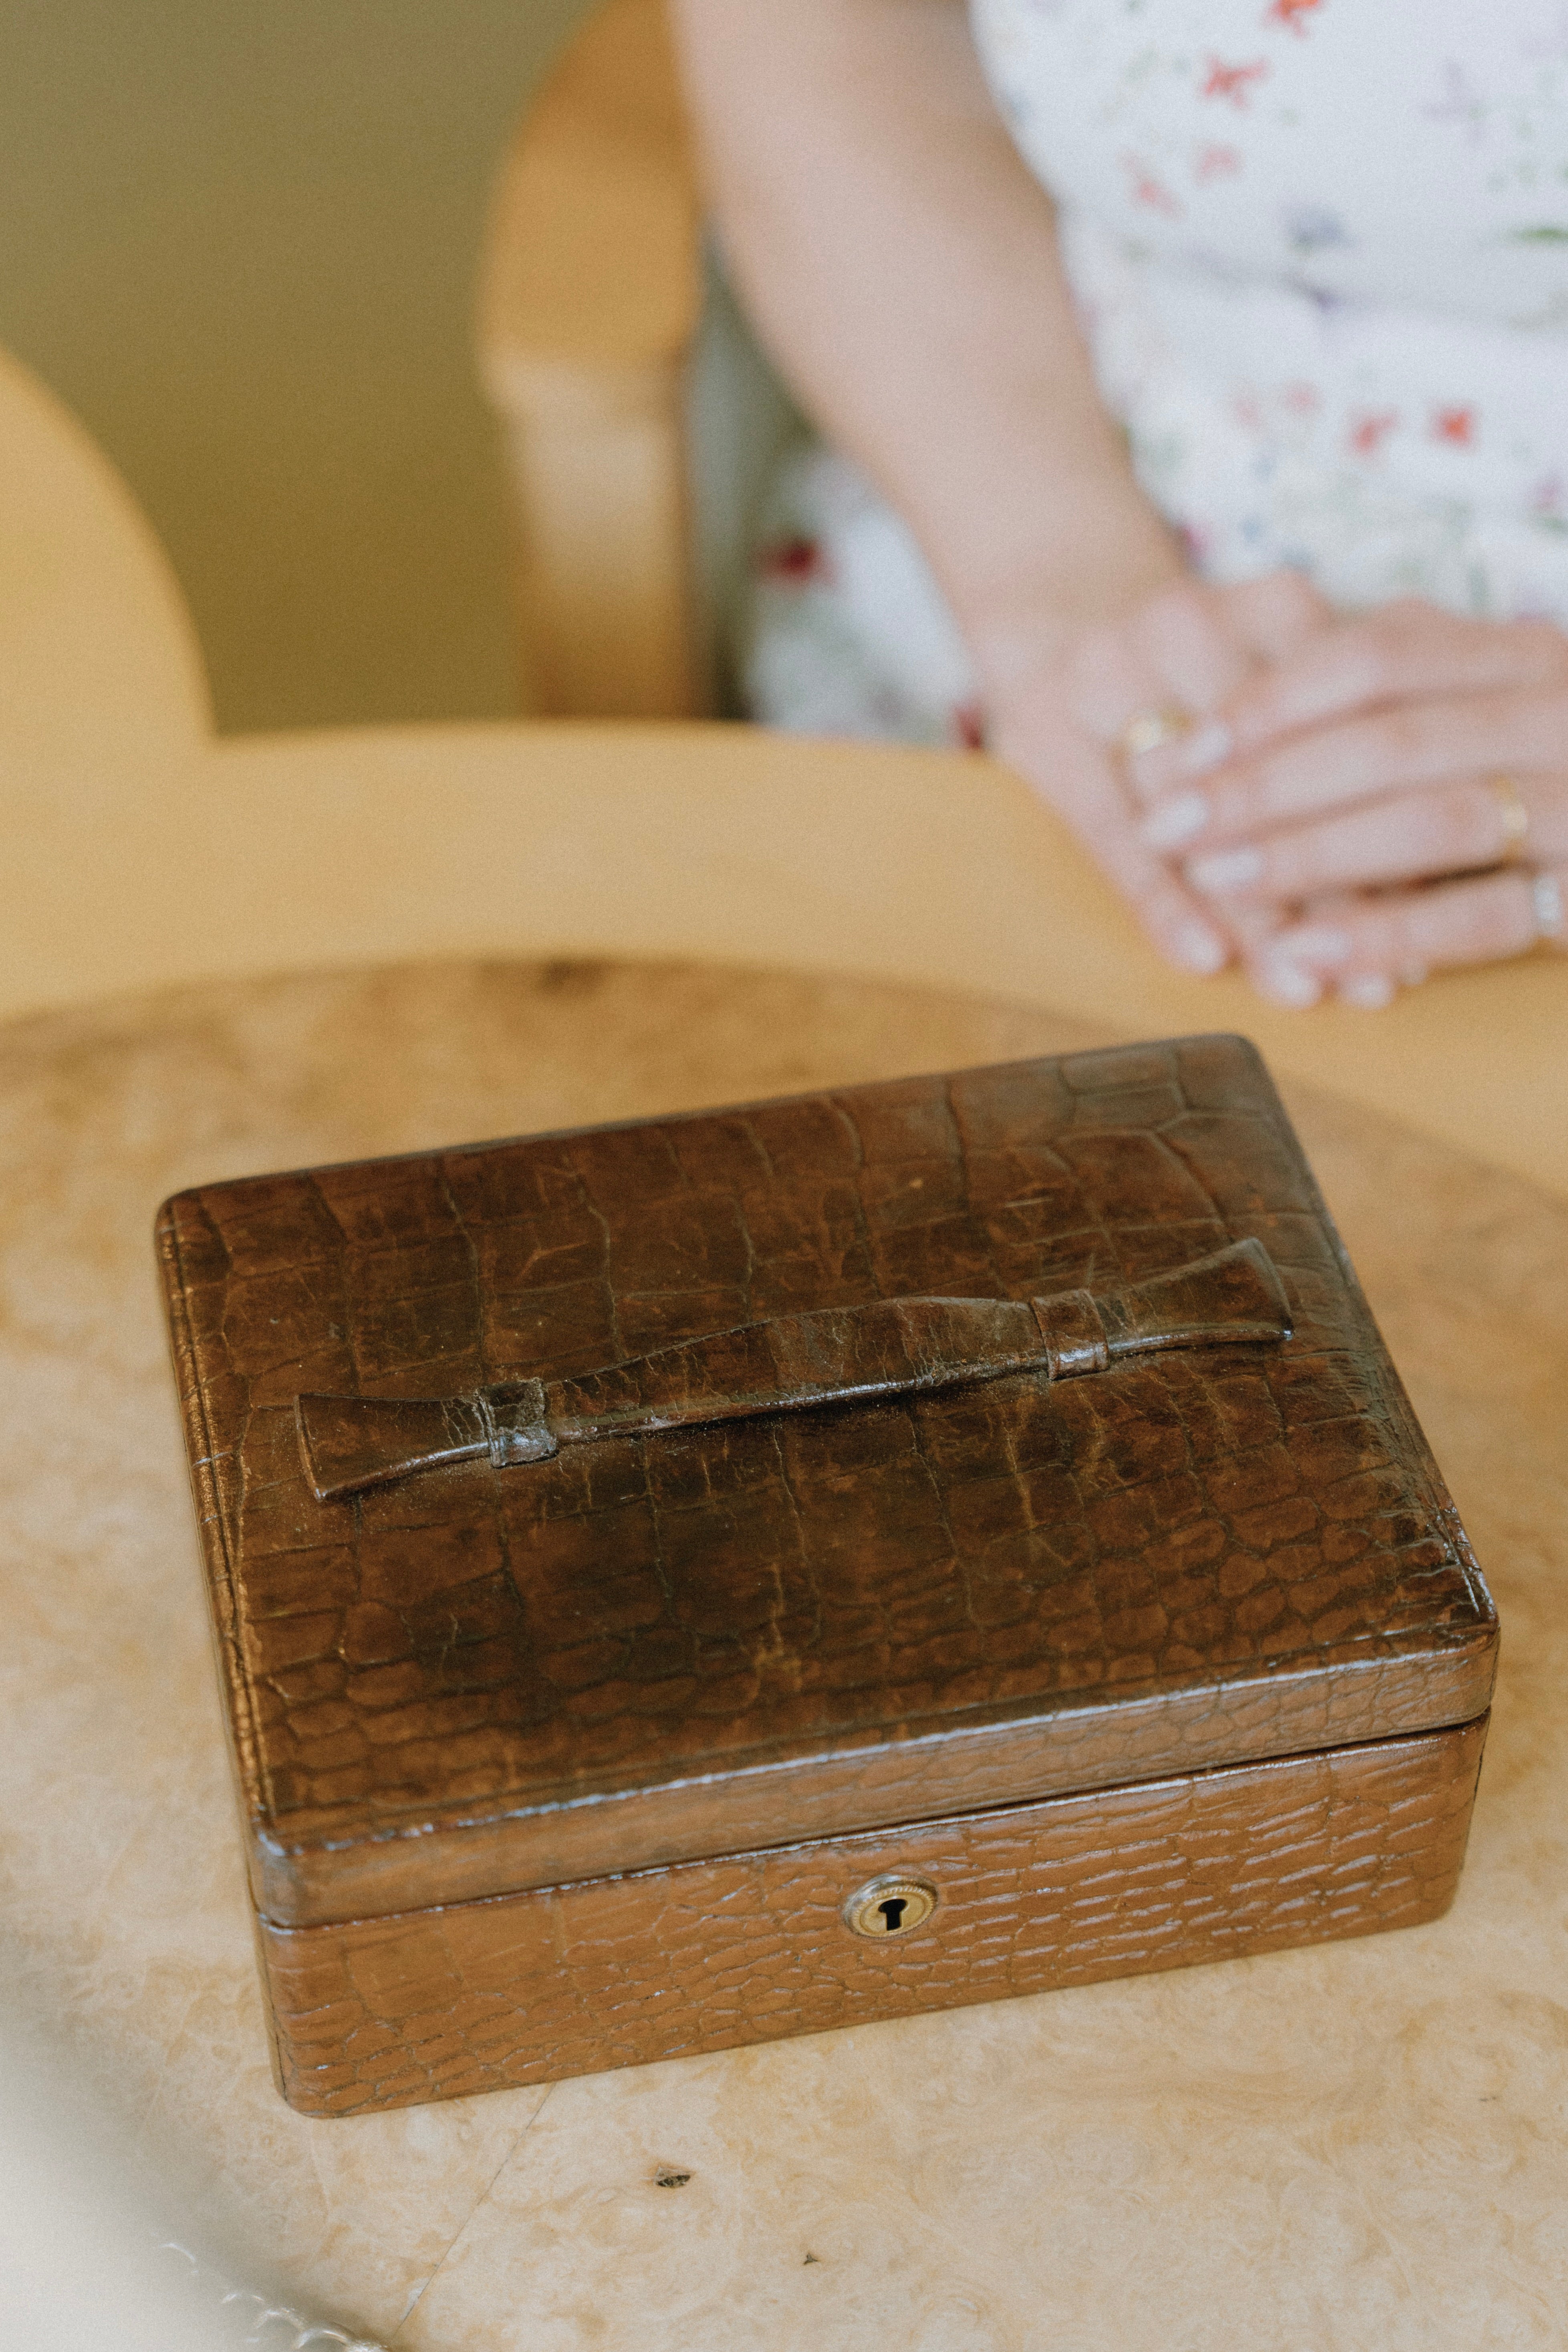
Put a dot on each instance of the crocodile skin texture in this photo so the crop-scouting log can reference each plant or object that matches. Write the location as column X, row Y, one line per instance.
column 658, row 1650
column 661, row 1964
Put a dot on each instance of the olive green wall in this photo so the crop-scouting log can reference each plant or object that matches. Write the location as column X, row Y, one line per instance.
column 238, row 238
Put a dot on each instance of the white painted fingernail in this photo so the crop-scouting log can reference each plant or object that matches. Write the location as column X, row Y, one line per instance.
column 1226, row 869
column 1199, row 949
column 1178, row 820
column 1288, row 984
column 1204, row 748
column 1317, row 943
column 1369, row 991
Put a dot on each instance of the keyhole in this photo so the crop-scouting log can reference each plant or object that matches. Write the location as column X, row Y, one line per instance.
column 891, row 1905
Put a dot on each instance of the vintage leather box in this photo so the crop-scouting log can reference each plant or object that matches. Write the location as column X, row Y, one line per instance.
column 580, row 1721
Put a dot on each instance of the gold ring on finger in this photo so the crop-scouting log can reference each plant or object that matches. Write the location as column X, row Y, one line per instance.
column 1513, row 816
column 1147, row 730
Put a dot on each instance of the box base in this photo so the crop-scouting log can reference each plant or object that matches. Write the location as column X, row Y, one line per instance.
column 563, row 1980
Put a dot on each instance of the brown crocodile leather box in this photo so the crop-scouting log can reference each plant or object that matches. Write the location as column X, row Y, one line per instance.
column 686, row 1583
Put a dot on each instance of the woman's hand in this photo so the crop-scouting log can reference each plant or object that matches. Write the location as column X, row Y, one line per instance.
column 1389, row 797
column 1065, row 702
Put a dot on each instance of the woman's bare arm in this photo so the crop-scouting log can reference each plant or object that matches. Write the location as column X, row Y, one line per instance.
column 900, row 262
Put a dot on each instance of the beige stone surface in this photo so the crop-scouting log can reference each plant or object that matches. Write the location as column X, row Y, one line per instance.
column 1345, row 2148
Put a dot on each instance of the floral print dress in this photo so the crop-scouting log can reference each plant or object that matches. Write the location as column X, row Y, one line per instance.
column 1320, row 249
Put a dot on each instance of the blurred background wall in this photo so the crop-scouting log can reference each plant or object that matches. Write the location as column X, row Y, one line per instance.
column 238, row 238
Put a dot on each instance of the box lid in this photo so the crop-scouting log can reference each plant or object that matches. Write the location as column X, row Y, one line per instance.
column 489, row 1675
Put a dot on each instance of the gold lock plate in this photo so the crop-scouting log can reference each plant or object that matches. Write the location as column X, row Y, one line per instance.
column 890, row 1905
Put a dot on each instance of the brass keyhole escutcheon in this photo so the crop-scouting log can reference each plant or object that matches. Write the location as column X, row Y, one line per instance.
column 890, row 1905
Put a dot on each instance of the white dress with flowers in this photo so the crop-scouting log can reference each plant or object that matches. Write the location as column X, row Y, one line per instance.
column 1319, row 248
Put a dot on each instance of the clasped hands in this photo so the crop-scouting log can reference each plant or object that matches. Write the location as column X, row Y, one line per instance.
column 1341, row 805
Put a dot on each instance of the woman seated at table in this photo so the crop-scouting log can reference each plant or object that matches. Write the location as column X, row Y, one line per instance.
column 1229, row 499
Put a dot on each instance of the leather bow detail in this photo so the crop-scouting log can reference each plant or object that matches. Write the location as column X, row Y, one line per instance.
column 836, row 1356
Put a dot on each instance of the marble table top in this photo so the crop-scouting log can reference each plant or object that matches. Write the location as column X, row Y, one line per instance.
column 1355, row 2145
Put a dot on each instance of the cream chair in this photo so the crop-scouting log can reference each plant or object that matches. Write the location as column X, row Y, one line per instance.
column 591, row 294
column 636, row 415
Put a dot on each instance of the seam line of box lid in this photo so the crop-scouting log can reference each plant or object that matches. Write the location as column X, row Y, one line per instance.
column 438, row 1884
column 926, row 1825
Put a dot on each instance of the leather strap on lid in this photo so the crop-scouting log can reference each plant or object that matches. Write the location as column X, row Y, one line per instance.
column 1074, row 1333
column 842, row 1355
